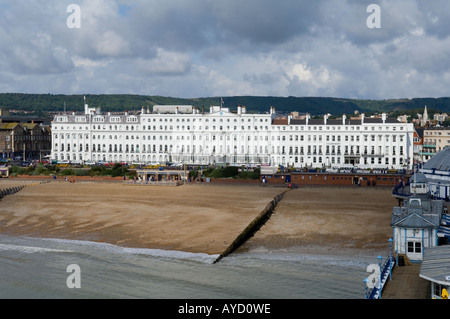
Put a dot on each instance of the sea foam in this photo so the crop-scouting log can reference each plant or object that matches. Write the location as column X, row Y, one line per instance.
column 53, row 245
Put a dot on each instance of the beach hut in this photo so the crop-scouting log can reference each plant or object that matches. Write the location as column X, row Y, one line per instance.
column 416, row 225
column 4, row 172
column 159, row 177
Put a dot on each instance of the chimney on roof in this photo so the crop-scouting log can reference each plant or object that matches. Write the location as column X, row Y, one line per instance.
column 325, row 119
column 383, row 117
column 344, row 117
column 362, row 118
column 307, row 118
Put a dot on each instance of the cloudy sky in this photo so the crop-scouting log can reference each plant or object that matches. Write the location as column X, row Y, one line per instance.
column 199, row 48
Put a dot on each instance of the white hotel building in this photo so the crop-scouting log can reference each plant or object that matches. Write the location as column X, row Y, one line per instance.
column 183, row 134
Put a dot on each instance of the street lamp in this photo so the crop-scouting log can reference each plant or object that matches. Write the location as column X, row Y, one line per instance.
column 380, row 259
column 390, row 258
column 365, row 287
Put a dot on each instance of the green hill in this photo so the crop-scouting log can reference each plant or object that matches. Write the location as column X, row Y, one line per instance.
column 42, row 103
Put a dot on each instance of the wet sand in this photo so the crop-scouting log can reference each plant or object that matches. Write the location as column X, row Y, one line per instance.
column 203, row 218
column 329, row 220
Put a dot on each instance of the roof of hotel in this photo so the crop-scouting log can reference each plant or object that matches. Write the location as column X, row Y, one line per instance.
column 440, row 161
column 8, row 126
column 280, row 121
column 367, row 120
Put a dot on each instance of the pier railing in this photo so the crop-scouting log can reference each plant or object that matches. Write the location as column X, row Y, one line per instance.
column 385, row 269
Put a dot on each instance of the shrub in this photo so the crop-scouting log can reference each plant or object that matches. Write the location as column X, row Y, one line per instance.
column 17, row 170
column 81, row 172
column 250, row 174
column 67, row 171
column 96, row 170
column 193, row 173
column 230, row 171
column 39, row 169
column 217, row 173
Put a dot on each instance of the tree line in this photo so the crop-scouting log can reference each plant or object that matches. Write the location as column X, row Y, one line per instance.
column 44, row 103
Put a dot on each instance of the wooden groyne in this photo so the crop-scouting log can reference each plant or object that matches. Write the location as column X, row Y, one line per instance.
column 253, row 227
column 14, row 189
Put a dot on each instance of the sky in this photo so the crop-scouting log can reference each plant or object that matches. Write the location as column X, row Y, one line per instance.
column 202, row 48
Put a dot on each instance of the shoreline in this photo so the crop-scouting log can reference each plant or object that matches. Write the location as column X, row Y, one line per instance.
column 196, row 218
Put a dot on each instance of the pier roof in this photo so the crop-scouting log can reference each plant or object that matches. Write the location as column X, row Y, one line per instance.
column 440, row 161
column 418, row 212
column 436, row 265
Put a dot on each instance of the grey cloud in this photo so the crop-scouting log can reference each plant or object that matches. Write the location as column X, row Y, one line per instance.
column 212, row 47
column 259, row 21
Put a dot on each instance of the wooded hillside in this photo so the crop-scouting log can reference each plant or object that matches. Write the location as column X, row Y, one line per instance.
column 42, row 103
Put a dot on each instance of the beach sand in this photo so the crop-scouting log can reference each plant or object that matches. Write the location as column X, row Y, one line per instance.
column 193, row 218
column 329, row 220
column 203, row 218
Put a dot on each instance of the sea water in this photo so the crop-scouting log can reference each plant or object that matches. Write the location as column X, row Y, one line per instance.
column 39, row 268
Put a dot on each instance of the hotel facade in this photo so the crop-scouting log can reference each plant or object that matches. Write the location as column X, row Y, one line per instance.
column 184, row 135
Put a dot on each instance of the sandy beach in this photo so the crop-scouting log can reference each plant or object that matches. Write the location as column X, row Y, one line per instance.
column 202, row 218
column 329, row 220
